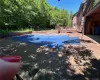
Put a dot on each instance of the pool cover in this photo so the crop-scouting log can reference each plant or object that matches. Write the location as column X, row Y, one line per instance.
column 51, row 41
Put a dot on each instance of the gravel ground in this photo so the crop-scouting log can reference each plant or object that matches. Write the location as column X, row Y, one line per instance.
column 53, row 64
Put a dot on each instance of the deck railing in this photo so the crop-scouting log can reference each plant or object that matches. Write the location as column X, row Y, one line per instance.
column 89, row 5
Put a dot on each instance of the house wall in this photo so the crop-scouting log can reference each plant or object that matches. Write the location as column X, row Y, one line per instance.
column 88, row 25
column 80, row 21
column 75, row 22
column 96, row 17
column 88, row 16
column 92, row 22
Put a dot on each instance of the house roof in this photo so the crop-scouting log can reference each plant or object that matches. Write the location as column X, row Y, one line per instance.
column 95, row 10
column 88, row 9
column 74, row 15
column 81, row 8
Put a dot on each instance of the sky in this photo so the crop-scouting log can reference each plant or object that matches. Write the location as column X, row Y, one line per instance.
column 69, row 5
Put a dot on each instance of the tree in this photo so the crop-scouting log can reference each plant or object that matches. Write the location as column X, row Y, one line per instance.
column 18, row 14
column 70, row 19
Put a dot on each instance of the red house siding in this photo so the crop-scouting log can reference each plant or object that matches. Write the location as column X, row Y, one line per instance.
column 92, row 20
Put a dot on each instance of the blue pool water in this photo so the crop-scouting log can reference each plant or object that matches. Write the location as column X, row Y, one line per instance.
column 51, row 41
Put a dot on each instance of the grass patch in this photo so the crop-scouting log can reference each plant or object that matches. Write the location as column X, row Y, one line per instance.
column 23, row 31
column 14, row 31
column 5, row 31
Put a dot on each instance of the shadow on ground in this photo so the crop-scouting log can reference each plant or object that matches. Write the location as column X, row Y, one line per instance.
column 95, row 37
column 93, row 71
column 86, row 41
column 50, row 65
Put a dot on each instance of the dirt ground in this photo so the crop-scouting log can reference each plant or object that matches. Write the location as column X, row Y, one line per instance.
column 55, row 64
column 91, row 41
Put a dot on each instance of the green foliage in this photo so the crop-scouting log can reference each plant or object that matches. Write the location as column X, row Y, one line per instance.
column 18, row 14
column 96, row 2
column 70, row 19
column 13, row 31
column 5, row 31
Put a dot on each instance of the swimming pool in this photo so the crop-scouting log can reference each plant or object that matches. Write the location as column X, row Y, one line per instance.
column 51, row 41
